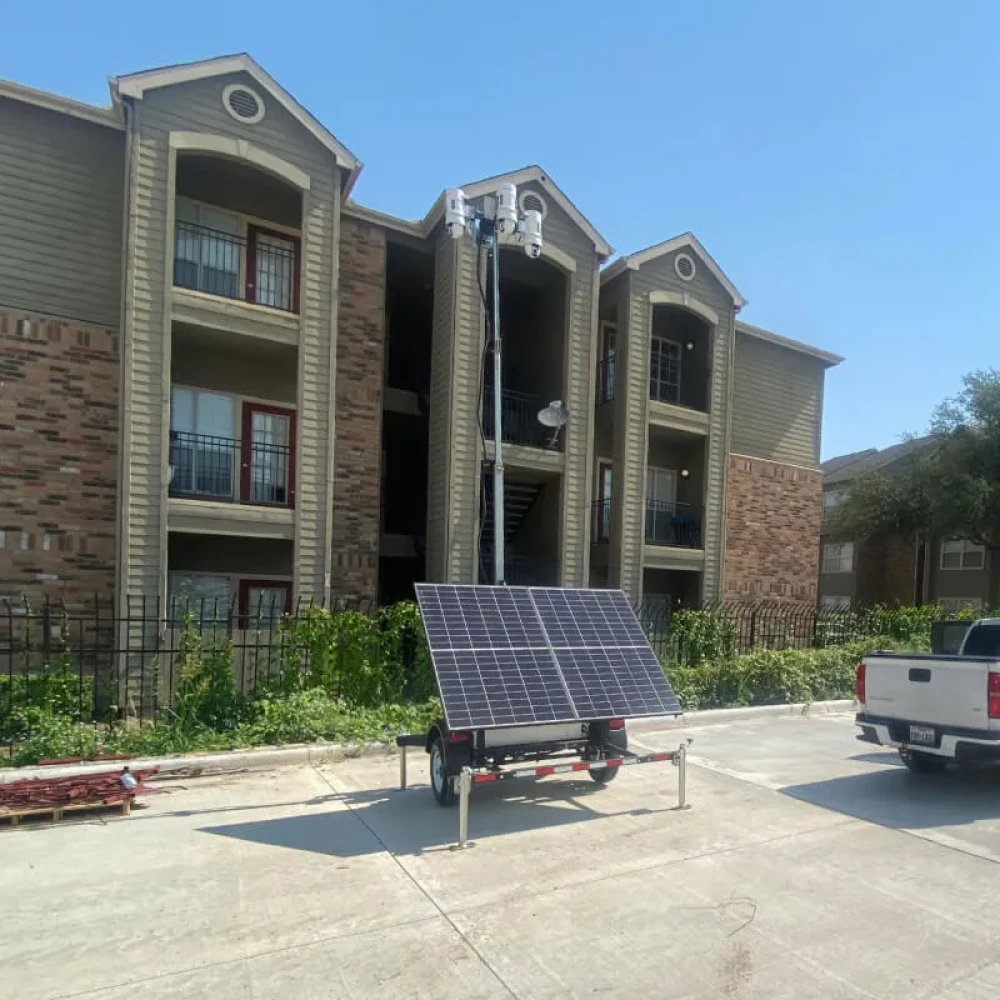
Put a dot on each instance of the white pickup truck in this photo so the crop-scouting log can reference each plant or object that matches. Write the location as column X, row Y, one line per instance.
column 936, row 709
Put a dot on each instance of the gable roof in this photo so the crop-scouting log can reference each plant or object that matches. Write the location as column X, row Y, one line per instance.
column 60, row 105
column 837, row 463
column 828, row 359
column 136, row 84
column 536, row 174
column 633, row 262
column 873, row 460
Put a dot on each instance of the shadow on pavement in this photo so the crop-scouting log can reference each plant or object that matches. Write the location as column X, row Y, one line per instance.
column 411, row 822
column 896, row 798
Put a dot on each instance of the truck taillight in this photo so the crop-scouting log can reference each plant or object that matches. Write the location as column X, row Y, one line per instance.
column 616, row 724
column 993, row 696
column 458, row 737
column 859, row 684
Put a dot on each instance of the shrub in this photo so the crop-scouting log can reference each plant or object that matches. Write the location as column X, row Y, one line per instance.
column 206, row 688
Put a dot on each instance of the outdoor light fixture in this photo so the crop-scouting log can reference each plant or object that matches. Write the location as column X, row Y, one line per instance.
column 690, row 345
column 685, row 473
column 497, row 217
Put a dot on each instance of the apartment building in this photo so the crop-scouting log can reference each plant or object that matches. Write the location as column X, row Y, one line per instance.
column 224, row 377
column 892, row 571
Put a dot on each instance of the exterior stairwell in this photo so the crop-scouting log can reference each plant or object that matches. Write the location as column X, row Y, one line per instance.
column 519, row 498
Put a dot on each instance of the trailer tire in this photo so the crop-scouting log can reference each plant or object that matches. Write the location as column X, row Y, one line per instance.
column 441, row 784
column 602, row 775
column 922, row 763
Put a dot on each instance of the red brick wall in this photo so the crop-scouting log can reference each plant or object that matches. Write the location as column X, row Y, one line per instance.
column 773, row 514
column 885, row 571
column 58, row 456
column 358, row 446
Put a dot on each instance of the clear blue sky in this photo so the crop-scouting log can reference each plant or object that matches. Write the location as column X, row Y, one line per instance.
column 841, row 164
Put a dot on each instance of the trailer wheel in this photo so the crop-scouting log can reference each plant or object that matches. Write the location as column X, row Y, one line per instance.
column 441, row 783
column 602, row 775
column 922, row 763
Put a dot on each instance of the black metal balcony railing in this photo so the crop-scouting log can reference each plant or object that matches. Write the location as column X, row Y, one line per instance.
column 670, row 523
column 606, row 379
column 262, row 270
column 600, row 523
column 520, row 421
column 206, row 467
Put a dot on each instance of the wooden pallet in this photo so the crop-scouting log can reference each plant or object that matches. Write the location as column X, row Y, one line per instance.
column 58, row 811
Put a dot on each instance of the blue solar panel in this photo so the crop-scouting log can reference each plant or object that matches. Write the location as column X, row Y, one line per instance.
column 515, row 655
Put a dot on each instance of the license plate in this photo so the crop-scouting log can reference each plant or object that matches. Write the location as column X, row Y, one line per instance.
column 922, row 734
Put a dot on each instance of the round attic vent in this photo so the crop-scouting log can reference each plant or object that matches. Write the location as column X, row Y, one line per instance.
column 684, row 266
column 243, row 104
column 532, row 201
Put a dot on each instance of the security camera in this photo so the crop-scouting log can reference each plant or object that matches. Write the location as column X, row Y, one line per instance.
column 507, row 210
column 533, row 233
column 455, row 209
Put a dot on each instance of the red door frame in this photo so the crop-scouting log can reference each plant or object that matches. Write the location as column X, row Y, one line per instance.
column 253, row 232
column 249, row 409
column 243, row 606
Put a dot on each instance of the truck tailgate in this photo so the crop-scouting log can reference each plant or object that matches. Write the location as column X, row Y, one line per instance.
column 945, row 690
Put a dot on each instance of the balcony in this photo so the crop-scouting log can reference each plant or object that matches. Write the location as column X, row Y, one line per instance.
column 261, row 269
column 520, row 423
column 226, row 470
column 674, row 524
column 600, row 522
column 606, row 379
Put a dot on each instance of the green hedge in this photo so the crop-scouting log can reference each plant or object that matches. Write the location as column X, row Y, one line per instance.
column 776, row 677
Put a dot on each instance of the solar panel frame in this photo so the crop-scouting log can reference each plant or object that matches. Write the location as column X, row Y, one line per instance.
column 509, row 656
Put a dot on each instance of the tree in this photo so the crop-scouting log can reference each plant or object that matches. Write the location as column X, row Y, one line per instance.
column 948, row 489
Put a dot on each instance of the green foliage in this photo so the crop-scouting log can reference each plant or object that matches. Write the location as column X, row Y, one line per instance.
column 697, row 636
column 206, row 688
column 51, row 735
column 947, row 488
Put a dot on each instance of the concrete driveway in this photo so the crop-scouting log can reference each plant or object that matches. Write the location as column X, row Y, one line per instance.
column 809, row 866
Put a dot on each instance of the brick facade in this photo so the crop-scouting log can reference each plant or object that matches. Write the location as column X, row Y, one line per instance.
column 58, row 456
column 358, row 446
column 885, row 571
column 773, row 514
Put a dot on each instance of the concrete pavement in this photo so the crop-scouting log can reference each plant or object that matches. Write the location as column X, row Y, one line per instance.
column 809, row 866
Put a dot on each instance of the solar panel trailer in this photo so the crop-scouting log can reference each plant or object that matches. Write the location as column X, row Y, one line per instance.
column 531, row 674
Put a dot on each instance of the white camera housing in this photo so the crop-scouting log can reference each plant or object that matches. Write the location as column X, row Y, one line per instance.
column 455, row 212
column 507, row 210
column 533, row 233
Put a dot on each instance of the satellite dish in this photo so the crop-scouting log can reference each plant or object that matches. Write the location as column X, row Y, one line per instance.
column 554, row 415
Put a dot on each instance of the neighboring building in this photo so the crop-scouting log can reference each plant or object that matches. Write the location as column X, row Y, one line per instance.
column 224, row 377
column 892, row 570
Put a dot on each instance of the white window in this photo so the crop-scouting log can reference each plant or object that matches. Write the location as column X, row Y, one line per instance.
column 834, row 602
column 208, row 250
column 665, row 370
column 661, row 487
column 838, row 557
column 207, row 596
column 953, row 605
column 204, row 451
column 962, row 554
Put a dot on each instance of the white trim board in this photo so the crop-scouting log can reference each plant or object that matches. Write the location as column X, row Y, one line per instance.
column 61, row 105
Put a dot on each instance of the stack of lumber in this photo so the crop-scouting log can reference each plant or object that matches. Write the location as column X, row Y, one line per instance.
column 34, row 796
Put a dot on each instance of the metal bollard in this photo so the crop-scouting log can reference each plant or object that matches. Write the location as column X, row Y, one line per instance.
column 464, row 789
column 682, row 776
column 402, row 768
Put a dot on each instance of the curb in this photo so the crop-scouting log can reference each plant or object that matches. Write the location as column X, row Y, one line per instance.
column 267, row 758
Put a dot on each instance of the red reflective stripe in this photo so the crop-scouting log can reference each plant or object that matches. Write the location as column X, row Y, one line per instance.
column 614, row 762
column 542, row 772
column 582, row 766
column 669, row 755
column 480, row 778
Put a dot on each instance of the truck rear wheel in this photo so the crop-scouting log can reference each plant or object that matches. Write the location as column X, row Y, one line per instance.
column 923, row 763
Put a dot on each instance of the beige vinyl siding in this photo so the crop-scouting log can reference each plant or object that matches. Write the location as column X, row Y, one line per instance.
column 628, row 475
column 659, row 275
column 197, row 107
column 777, row 402
column 579, row 361
column 61, row 195
column 439, row 422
